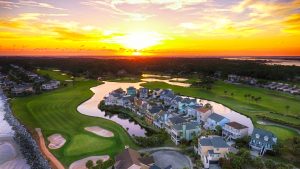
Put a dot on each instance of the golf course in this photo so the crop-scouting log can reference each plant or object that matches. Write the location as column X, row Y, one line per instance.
column 234, row 98
column 56, row 112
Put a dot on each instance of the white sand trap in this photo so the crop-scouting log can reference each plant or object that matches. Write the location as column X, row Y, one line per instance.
column 80, row 164
column 56, row 141
column 99, row 131
column 7, row 152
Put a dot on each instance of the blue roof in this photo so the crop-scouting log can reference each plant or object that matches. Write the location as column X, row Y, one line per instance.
column 216, row 117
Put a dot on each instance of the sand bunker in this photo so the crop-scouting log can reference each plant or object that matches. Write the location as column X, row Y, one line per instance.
column 99, row 131
column 80, row 164
column 56, row 141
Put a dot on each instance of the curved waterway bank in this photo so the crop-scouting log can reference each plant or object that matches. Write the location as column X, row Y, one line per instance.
column 90, row 107
column 10, row 155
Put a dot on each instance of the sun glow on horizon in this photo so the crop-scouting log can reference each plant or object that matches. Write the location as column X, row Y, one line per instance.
column 139, row 40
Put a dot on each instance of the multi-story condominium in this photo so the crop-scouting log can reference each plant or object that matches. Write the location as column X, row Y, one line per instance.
column 114, row 96
column 167, row 96
column 211, row 149
column 53, row 84
column 186, row 131
column 262, row 140
column 163, row 118
column 184, row 103
column 203, row 113
column 234, row 130
column 156, row 93
column 174, row 121
column 143, row 93
column 22, row 89
column 131, row 91
column 192, row 110
column 215, row 120
column 152, row 113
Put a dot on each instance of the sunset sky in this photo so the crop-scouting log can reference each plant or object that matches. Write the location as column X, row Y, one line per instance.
column 150, row 27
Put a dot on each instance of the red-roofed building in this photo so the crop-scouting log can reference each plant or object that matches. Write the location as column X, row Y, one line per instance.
column 203, row 114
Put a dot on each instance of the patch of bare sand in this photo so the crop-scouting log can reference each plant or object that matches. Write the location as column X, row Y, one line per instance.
column 99, row 131
column 56, row 141
column 80, row 164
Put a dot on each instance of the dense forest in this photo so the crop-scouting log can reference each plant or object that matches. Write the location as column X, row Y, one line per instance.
column 94, row 68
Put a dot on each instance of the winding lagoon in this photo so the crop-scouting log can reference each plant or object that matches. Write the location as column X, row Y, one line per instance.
column 90, row 107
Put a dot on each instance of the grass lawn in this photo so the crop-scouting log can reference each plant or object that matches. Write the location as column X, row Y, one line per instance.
column 92, row 144
column 56, row 112
column 57, row 75
column 281, row 133
column 271, row 101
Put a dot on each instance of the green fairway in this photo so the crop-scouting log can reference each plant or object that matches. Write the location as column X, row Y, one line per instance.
column 56, row 112
column 92, row 144
column 57, row 75
column 271, row 101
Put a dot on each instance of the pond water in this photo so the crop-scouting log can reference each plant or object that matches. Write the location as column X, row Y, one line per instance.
column 90, row 108
column 272, row 61
column 169, row 81
column 230, row 114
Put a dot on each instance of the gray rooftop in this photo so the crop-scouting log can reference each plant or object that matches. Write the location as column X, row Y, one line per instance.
column 189, row 126
column 215, row 141
column 216, row 117
column 155, row 110
column 262, row 133
column 177, row 120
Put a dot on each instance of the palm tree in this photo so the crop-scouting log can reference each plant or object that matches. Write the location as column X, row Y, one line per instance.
column 287, row 107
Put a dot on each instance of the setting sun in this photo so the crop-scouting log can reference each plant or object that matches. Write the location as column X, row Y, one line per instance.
column 139, row 40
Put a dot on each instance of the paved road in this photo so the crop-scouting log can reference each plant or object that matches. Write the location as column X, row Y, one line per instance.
column 158, row 149
column 165, row 156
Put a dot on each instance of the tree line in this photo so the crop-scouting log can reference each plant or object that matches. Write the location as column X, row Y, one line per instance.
column 94, row 68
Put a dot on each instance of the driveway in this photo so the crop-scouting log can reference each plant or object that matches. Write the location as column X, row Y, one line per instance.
column 164, row 158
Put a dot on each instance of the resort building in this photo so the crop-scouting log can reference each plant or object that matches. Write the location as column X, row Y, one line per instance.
column 143, row 93
column 203, row 113
column 192, row 110
column 262, row 141
column 174, row 121
column 167, row 96
column 215, row 120
column 151, row 114
column 186, row 131
column 234, row 130
column 22, row 89
column 131, row 91
column 161, row 121
column 131, row 159
column 53, row 84
column 211, row 149
column 156, row 93
column 184, row 103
